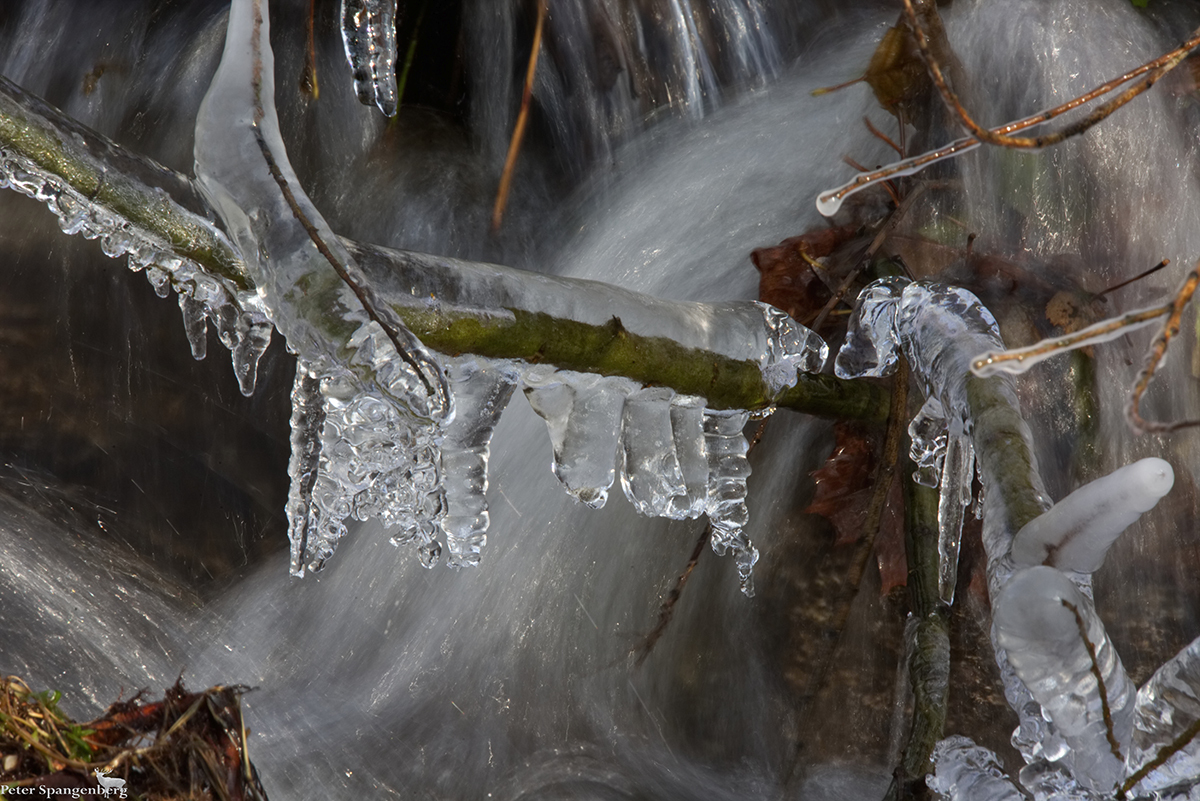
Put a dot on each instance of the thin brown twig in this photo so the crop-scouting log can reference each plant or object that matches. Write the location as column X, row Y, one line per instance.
column 1153, row 70
column 1158, row 351
column 1137, row 277
column 829, row 201
column 881, row 135
column 308, row 77
column 1109, row 729
column 514, row 146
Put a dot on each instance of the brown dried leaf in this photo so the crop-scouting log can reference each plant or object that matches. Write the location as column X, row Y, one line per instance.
column 787, row 279
column 896, row 73
column 844, row 483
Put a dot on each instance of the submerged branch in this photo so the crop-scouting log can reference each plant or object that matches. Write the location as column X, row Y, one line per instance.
column 452, row 306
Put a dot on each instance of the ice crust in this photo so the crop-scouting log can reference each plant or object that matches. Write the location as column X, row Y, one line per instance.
column 369, row 36
column 1041, row 621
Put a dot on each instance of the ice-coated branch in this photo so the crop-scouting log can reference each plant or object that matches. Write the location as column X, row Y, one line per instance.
column 452, row 306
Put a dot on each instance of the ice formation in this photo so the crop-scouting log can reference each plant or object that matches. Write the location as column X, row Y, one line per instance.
column 1076, row 532
column 968, row 772
column 238, row 316
column 1168, row 711
column 936, row 328
column 369, row 36
column 1061, row 652
column 380, row 427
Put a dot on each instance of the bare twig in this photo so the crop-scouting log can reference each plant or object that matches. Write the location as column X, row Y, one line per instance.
column 829, row 202
column 1153, row 70
column 1158, row 351
column 514, row 146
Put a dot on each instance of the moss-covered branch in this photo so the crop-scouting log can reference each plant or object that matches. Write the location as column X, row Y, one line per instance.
column 454, row 307
column 156, row 200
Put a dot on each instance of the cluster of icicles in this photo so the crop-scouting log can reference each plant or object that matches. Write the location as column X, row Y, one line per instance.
column 1086, row 732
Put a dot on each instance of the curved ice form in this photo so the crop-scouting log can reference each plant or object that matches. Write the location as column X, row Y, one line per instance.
column 964, row 771
column 937, row 328
column 1166, row 713
column 728, row 470
column 1051, row 781
column 583, row 415
column 1041, row 620
column 369, row 36
column 651, row 475
column 238, row 316
column 482, row 389
column 310, row 285
column 1077, row 532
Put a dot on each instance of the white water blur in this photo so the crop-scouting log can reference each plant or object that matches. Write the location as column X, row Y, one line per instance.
column 512, row 680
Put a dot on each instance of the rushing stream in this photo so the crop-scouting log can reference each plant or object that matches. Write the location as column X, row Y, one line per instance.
column 145, row 533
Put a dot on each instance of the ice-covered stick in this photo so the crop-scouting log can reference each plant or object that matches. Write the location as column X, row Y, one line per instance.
column 1076, row 532
column 311, row 286
column 453, row 306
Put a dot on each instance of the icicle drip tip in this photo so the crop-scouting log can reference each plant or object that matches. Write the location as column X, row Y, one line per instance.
column 369, row 37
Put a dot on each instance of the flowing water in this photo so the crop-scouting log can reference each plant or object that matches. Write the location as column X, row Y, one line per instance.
column 145, row 534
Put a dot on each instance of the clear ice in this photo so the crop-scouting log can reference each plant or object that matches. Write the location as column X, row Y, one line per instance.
column 964, row 771
column 238, row 316
column 1167, row 714
column 482, row 389
column 369, row 36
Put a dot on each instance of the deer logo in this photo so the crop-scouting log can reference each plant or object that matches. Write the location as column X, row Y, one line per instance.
column 116, row 785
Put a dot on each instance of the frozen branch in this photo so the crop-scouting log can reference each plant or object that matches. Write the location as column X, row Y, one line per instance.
column 454, row 307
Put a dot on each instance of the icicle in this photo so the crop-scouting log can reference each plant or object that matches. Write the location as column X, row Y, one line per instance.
column 195, row 324
column 728, row 470
column 964, row 771
column 308, row 420
column 1057, row 645
column 583, row 415
column 482, row 390
column 650, row 476
column 938, row 328
column 687, row 430
column 369, row 36
column 1076, row 533
column 1166, row 713
column 957, row 474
